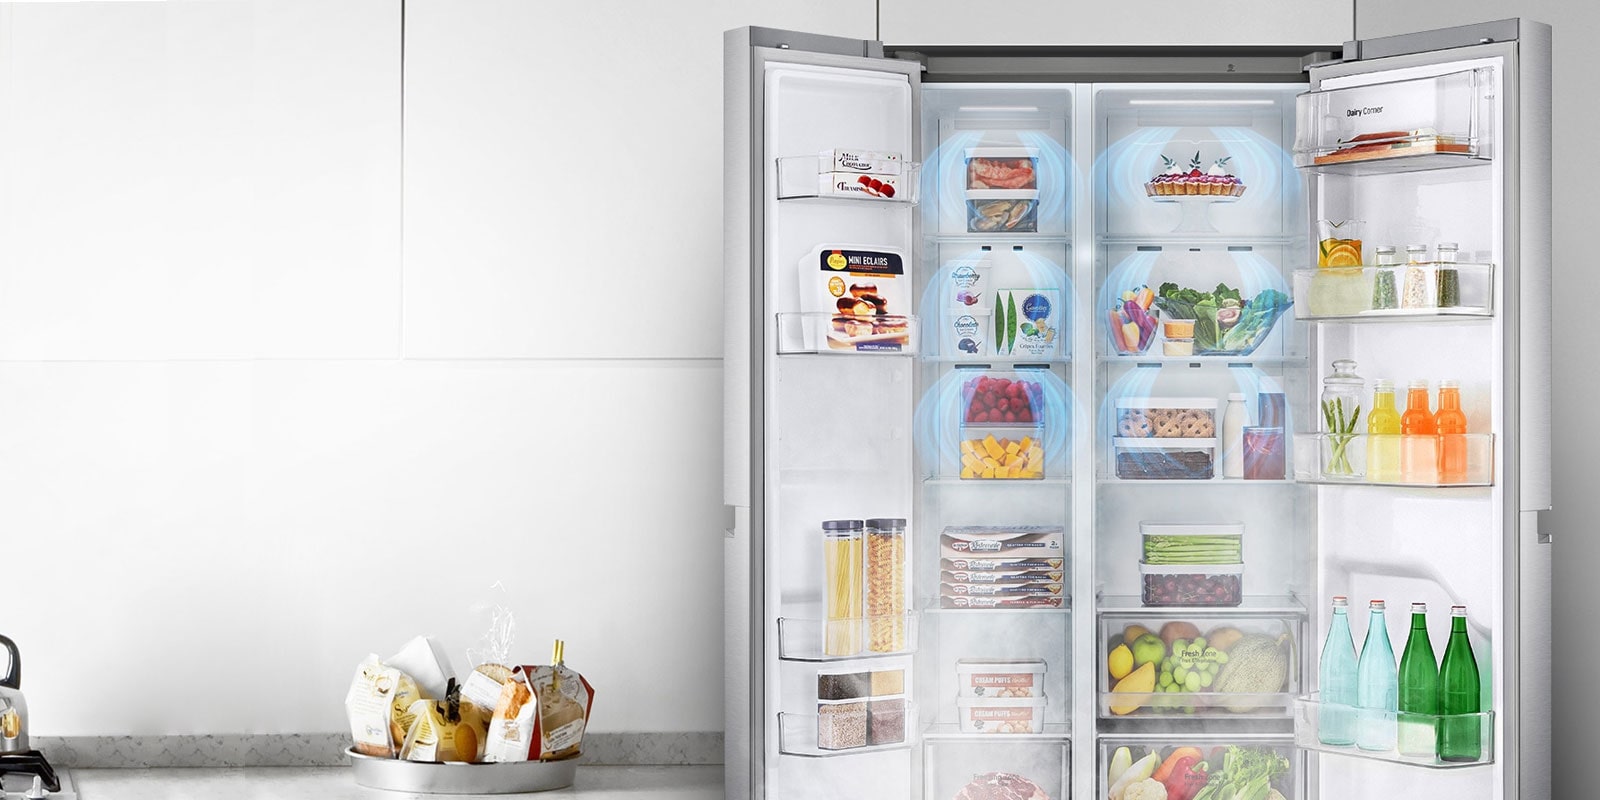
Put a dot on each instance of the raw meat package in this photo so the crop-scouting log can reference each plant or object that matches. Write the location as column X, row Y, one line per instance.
column 1002, row 168
column 866, row 290
column 1001, row 786
column 1009, row 541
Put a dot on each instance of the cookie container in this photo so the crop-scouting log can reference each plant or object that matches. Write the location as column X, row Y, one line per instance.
column 1001, row 715
column 1171, row 585
column 1000, row 678
column 1165, row 459
column 1167, row 417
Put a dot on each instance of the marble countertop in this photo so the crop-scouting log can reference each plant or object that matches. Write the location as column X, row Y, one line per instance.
column 336, row 783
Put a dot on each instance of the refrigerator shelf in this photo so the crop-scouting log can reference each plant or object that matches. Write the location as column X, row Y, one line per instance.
column 802, row 639
column 1315, row 459
column 950, row 480
column 798, row 735
column 998, row 362
column 951, row 731
column 1219, row 481
column 1131, row 605
column 1399, row 162
column 1309, row 708
column 1066, row 608
column 1198, row 361
column 1185, row 240
column 1347, row 293
column 999, row 240
column 808, row 178
column 826, row 333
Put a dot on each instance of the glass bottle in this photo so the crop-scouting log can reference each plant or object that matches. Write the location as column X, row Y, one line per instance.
column 1419, row 447
column 1341, row 412
column 1336, row 718
column 1418, row 282
column 841, row 559
column 886, row 585
column 1383, row 435
column 1385, row 294
column 1448, row 278
column 1378, row 686
column 1419, row 689
column 1451, row 426
column 1460, row 737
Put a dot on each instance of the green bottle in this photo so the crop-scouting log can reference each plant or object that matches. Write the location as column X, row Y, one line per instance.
column 1460, row 728
column 1419, row 689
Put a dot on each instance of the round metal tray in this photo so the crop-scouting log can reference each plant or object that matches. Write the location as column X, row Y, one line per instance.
column 431, row 777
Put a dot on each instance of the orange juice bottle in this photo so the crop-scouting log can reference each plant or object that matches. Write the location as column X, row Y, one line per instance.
column 1419, row 447
column 1451, row 425
column 1383, row 435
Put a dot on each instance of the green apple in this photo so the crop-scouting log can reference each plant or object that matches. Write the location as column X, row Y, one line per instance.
column 1148, row 648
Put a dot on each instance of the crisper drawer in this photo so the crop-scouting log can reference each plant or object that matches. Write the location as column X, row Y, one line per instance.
column 1201, row 663
column 1421, row 123
column 1185, row 766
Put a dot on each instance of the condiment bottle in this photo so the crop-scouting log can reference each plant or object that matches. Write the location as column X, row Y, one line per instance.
column 1448, row 279
column 1385, row 294
column 1418, row 287
column 1234, row 420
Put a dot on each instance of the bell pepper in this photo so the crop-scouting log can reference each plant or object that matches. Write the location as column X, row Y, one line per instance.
column 1185, row 781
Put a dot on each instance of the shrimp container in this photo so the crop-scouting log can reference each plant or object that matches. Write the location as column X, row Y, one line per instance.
column 1002, row 168
column 1002, row 210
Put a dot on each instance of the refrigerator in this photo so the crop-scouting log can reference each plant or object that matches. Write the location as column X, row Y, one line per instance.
column 1041, row 475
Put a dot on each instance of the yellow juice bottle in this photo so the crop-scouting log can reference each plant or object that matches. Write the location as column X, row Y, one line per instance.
column 1383, row 435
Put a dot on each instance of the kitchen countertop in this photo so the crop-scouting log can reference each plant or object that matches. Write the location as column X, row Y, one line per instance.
column 336, row 783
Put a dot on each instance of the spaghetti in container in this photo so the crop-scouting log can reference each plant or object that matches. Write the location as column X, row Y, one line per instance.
column 842, row 581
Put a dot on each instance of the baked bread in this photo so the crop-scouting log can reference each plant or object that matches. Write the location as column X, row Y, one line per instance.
column 1001, row 786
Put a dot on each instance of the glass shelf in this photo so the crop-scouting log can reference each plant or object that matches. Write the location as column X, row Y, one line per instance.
column 1316, row 459
column 950, row 731
column 998, row 362
column 799, row 735
column 999, row 239
column 1153, row 360
column 1197, row 239
column 947, row 480
column 1125, row 605
column 1420, row 158
column 1310, row 710
column 825, row 333
column 801, row 639
column 1066, row 608
column 809, row 177
column 1347, row 293
column 1105, row 481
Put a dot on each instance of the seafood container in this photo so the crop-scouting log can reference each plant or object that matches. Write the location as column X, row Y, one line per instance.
column 1002, row 210
column 1002, row 168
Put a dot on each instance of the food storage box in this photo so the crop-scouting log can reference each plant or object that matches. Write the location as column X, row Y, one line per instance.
column 1003, row 541
column 1003, row 398
column 841, row 724
column 1002, row 453
column 842, row 685
column 1001, row 714
column 1171, row 585
column 1002, row 210
column 1000, row 678
column 886, row 720
column 1165, row 459
column 1187, row 543
column 1167, row 417
column 888, row 682
column 1002, row 168
column 1027, row 322
column 1012, row 603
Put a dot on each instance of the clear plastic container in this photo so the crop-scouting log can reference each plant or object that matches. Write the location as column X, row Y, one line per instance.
column 886, row 720
column 842, row 582
column 886, row 585
column 1001, row 715
column 1170, row 585
column 1002, row 210
column 1165, row 459
column 1000, row 678
column 1002, row 168
column 1397, row 126
column 1003, row 398
column 1224, row 542
column 1006, row 453
column 1167, row 417
column 841, row 724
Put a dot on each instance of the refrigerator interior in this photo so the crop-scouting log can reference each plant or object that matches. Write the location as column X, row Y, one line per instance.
column 1043, row 411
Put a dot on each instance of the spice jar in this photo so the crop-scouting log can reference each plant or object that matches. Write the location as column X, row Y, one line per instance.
column 841, row 560
column 1385, row 295
column 886, row 585
column 1418, row 285
column 1448, row 280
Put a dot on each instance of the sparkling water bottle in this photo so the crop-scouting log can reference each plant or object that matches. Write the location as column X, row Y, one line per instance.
column 1378, row 688
column 1336, row 719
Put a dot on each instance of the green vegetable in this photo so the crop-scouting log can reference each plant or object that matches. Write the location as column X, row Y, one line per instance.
column 1011, row 322
column 999, row 324
column 1341, row 431
column 1245, row 774
column 1191, row 550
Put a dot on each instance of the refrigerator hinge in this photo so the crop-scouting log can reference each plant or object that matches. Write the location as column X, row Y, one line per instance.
column 912, row 55
column 1544, row 534
column 1321, row 58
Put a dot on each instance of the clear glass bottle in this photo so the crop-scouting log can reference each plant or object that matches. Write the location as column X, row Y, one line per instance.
column 1336, row 718
column 1378, row 688
column 1341, row 413
column 1385, row 289
column 1447, row 280
column 1418, row 284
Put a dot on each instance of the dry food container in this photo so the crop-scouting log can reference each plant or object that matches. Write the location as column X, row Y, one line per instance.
column 886, row 585
column 886, row 720
column 1000, row 678
column 841, row 724
column 1001, row 715
column 842, row 580
column 887, row 682
column 1165, row 459
column 1002, row 210
column 1167, row 417
column 1200, row 585
column 1002, row 168
column 842, row 684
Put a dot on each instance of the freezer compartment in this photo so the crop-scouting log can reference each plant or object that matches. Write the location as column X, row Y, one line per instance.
column 805, row 639
column 802, row 333
column 1398, row 126
column 1204, row 663
column 848, row 727
column 1432, row 290
column 801, row 177
column 1230, row 764
column 1382, row 460
column 1021, row 766
column 1310, row 712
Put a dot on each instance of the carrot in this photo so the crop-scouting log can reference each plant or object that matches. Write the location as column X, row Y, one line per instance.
column 1167, row 766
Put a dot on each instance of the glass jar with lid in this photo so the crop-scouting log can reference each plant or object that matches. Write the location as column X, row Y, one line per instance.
column 1341, row 416
column 1418, row 291
column 1448, row 279
column 1385, row 289
column 886, row 585
column 842, row 590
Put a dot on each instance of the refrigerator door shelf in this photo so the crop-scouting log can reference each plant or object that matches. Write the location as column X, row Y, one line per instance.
column 802, row 639
column 804, row 734
column 1406, row 125
column 808, row 177
column 824, row 333
column 1308, row 708
column 1342, row 460
column 1408, row 292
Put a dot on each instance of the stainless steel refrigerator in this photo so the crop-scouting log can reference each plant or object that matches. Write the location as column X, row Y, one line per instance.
column 1041, row 477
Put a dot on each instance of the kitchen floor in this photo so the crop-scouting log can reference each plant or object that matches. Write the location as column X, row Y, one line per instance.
column 337, row 783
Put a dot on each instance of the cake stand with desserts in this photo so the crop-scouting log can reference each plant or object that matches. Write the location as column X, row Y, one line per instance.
column 1195, row 191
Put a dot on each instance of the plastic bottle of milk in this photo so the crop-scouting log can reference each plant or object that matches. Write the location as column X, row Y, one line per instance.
column 1234, row 420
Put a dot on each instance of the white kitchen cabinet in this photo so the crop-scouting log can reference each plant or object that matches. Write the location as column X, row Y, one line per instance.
column 1051, row 22
column 200, row 179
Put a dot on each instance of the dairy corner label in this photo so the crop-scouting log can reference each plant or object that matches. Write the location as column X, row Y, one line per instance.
column 850, row 160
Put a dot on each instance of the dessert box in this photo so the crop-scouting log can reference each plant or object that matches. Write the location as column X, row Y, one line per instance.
column 1001, row 715
column 867, row 291
column 1000, row 678
column 1007, row 541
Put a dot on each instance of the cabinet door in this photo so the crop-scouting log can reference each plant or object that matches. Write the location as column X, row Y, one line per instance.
column 1039, row 22
column 200, row 180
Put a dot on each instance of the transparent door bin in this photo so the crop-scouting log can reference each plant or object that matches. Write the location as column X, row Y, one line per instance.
column 1277, row 755
column 1378, row 460
column 849, row 727
column 1019, row 765
column 1002, row 453
column 1247, row 666
column 1432, row 290
column 801, row 177
column 1399, row 126
column 1310, row 710
column 802, row 639
column 825, row 332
